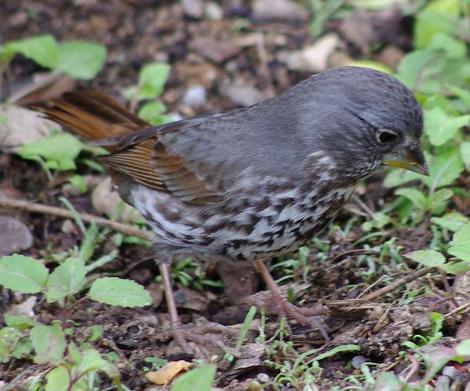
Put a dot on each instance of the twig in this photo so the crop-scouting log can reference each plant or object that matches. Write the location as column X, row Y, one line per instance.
column 64, row 213
column 394, row 285
column 464, row 306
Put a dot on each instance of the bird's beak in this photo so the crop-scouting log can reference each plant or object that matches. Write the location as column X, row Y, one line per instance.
column 409, row 159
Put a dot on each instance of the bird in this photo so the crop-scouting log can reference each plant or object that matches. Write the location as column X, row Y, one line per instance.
column 252, row 183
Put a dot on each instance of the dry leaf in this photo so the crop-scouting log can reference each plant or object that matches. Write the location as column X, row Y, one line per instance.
column 168, row 372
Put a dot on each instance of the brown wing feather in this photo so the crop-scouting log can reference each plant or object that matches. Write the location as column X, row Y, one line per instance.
column 134, row 146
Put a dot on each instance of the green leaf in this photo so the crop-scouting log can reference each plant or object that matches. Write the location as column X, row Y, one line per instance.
column 246, row 326
column 437, row 17
column 415, row 196
column 399, row 177
column 441, row 127
column 438, row 198
column 199, row 379
column 92, row 361
column 58, row 379
column 418, row 70
column 444, row 169
column 23, row 274
column 435, row 358
column 388, row 381
column 49, row 344
column 119, row 292
column 460, row 244
column 66, row 279
column 59, row 151
column 42, row 49
column 152, row 79
column 453, row 48
column 338, row 349
column 9, row 338
column 427, row 257
column 152, row 112
column 78, row 181
column 80, row 59
column 19, row 322
column 462, row 236
column 452, row 221
column 465, row 152
column 463, row 348
column 457, row 268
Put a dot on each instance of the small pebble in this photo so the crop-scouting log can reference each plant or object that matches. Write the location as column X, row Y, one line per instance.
column 357, row 361
column 263, row 377
column 449, row 371
column 214, row 11
column 195, row 96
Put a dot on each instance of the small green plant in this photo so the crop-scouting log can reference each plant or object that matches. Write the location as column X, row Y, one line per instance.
column 152, row 79
column 459, row 248
column 71, row 364
column 438, row 71
column 78, row 59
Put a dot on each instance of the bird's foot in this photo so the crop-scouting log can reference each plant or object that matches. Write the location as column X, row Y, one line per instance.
column 306, row 316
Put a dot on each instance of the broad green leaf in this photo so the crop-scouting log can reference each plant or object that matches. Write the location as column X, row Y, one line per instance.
column 399, row 177
column 415, row 196
column 462, row 236
column 463, row 348
column 452, row 47
column 49, row 344
column 439, row 197
column 59, row 151
column 22, row 274
column 80, row 59
column 439, row 16
column 66, row 279
column 441, row 127
column 119, row 292
column 58, row 379
column 462, row 93
column 42, row 49
column 435, row 358
column 19, row 322
column 9, row 338
column 465, row 153
column 452, row 221
column 444, row 169
column 388, row 381
column 92, row 361
column 418, row 70
column 153, row 113
column 152, row 79
column 427, row 257
column 199, row 379
column 456, row 267
column 460, row 244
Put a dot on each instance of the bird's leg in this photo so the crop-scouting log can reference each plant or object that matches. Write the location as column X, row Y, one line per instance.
column 172, row 310
column 180, row 335
column 302, row 315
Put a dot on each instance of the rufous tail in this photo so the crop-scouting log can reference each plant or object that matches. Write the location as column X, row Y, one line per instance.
column 91, row 114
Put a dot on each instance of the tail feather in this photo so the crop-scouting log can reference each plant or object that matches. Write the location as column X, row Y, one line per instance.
column 91, row 114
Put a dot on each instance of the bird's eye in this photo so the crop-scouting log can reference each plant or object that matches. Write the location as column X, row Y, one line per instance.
column 386, row 136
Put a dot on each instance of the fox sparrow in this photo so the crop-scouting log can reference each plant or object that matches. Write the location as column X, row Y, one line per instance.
column 257, row 182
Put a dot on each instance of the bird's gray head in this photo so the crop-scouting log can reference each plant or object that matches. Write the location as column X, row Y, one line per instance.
column 362, row 118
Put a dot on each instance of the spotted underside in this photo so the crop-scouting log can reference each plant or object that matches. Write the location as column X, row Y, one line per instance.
column 261, row 217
